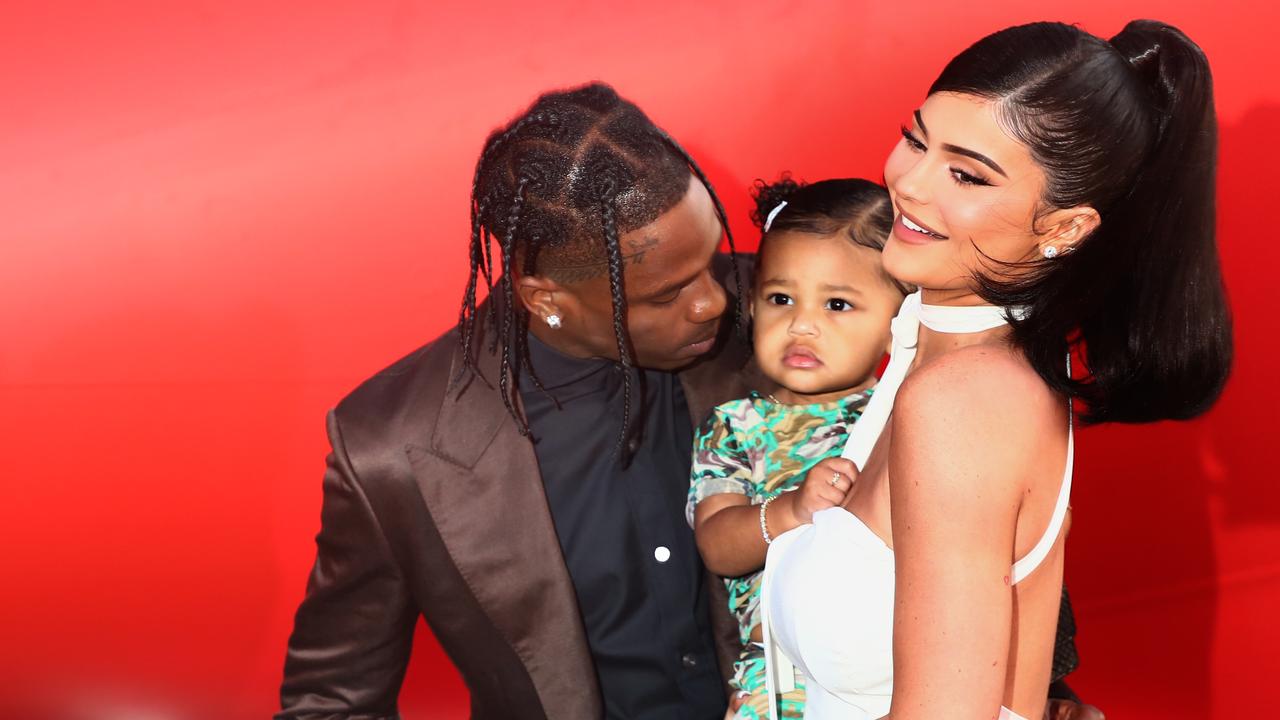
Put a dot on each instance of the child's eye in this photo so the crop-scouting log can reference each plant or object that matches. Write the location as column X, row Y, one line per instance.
column 912, row 141
column 779, row 299
column 839, row 304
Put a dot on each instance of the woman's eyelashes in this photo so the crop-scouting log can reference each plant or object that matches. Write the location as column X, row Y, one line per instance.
column 912, row 141
column 963, row 178
column 960, row 176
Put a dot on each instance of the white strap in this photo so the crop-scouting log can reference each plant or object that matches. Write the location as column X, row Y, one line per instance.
column 1029, row 562
column 779, row 672
column 967, row 319
column 906, row 333
column 866, row 431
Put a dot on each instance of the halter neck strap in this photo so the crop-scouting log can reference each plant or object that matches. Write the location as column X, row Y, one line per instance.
column 906, row 335
column 967, row 319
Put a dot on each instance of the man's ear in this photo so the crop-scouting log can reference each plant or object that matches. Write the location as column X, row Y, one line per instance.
column 1066, row 228
column 540, row 296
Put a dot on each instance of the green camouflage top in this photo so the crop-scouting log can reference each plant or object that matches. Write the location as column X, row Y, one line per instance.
column 760, row 448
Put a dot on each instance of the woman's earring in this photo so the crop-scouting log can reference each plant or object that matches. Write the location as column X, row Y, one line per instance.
column 553, row 321
column 1050, row 252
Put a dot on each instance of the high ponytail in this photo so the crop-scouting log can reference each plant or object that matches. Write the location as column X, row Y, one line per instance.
column 1178, row 307
column 1126, row 127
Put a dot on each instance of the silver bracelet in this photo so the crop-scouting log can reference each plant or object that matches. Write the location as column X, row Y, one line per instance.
column 764, row 527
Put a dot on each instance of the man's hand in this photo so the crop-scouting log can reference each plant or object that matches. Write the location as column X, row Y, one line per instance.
column 825, row 486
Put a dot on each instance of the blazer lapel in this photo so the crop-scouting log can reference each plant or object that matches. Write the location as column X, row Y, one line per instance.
column 479, row 478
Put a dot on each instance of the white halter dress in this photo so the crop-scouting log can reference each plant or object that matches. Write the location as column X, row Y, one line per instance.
column 847, row 660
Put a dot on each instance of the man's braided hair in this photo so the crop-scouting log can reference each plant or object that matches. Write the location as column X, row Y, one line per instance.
column 557, row 187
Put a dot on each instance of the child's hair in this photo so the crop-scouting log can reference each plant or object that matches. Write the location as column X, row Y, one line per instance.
column 858, row 208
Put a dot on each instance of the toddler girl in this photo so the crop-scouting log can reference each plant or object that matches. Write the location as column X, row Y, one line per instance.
column 820, row 306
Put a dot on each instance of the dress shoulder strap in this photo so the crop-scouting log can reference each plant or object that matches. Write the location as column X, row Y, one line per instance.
column 1029, row 562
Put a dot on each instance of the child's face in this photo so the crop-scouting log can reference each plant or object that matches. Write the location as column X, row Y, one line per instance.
column 821, row 310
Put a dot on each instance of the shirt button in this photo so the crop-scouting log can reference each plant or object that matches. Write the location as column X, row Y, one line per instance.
column 689, row 661
column 661, row 553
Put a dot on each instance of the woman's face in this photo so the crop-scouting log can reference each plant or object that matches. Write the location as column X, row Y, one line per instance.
column 962, row 188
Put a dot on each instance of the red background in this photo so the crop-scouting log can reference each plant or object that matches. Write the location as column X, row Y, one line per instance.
column 217, row 218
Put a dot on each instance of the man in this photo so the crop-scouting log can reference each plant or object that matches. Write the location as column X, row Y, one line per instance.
column 523, row 491
column 520, row 481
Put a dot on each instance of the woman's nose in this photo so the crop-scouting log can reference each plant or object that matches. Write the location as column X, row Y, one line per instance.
column 912, row 185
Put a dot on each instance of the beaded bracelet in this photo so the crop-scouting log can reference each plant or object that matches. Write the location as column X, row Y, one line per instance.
column 764, row 528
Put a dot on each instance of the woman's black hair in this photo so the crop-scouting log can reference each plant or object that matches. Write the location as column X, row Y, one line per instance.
column 557, row 187
column 1127, row 127
column 858, row 208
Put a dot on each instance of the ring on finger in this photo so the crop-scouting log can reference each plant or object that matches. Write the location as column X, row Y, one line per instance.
column 835, row 479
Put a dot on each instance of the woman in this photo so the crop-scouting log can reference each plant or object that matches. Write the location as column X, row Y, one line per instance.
column 1053, row 194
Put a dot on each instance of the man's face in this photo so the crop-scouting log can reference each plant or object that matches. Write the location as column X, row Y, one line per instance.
column 674, row 304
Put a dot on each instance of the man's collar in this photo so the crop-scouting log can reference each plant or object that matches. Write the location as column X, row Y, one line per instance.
column 555, row 369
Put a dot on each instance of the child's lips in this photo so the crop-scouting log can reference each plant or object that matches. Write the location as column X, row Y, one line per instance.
column 800, row 357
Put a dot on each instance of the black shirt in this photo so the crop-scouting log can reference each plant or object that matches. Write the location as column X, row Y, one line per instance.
column 630, row 554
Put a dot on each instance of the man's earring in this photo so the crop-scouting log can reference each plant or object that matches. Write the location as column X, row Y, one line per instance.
column 553, row 321
column 1050, row 252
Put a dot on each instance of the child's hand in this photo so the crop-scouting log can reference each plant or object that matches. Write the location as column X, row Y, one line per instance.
column 825, row 486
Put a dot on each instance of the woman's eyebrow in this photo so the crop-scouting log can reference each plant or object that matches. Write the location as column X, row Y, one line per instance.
column 948, row 147
column 975, row 155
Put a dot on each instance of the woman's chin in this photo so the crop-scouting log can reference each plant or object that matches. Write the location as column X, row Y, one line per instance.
column 906, row 266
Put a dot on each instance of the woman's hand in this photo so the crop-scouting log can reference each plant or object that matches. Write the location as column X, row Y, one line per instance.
column 825, row 486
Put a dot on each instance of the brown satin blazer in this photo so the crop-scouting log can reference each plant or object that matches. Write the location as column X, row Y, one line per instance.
column 433, row 506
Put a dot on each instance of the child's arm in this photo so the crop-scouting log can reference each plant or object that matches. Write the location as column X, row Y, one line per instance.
column 722, row 479
column 727, row 525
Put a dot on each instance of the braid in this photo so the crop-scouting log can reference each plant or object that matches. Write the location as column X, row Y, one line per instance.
column 619, row 313
column 521, row 336
column 506, row 376
column 468, row 309
column 481, row 260
column 487, row 266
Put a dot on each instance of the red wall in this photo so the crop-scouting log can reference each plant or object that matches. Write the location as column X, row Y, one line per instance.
column 216, row 218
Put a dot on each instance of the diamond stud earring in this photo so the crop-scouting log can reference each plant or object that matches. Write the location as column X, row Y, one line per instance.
column 1050, row 252
column 553, row 321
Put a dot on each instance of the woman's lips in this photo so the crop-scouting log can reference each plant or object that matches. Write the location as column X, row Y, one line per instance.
column 909, row 230
column 801, row 357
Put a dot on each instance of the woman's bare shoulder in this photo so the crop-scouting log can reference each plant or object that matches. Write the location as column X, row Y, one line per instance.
column 979, row 379
column 981, row 406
